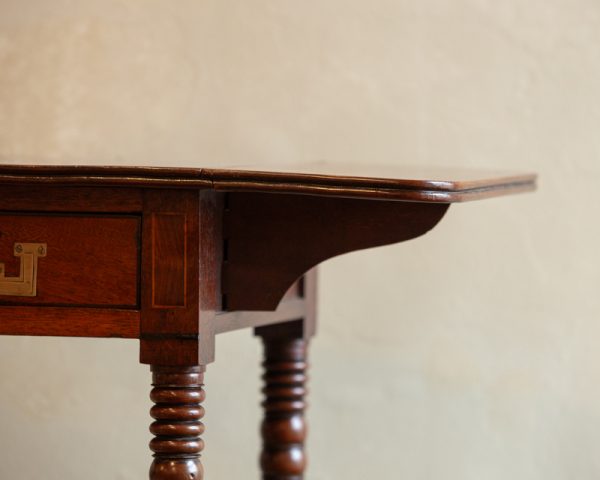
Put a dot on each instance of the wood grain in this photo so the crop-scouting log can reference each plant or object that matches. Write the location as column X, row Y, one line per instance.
column 273, row 239
column 169, row 255
column 185, row 244
column 161, row 323
column 287, row 310
column 155, row 253
column 91, row 232
column 283, row 429
column 69, row 322
column 392, row 183
column 91, row 260
column 177, row 412
column 53, row 199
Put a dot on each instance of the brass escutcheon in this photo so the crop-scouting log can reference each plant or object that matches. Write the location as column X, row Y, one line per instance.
column 25, row 284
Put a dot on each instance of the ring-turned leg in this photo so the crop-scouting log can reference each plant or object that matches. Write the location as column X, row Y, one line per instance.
column 283, row 427
column 177, row 412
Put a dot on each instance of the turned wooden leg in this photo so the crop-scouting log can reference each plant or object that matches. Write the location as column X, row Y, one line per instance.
column 283, row 428
column 177, row 394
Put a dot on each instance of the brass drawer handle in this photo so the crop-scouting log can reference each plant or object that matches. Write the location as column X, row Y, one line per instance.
column 25, row 285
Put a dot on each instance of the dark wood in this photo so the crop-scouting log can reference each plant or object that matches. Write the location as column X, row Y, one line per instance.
column 238, row 320
column 73, row 320
column 273, row 239
column 283, row 428
column 91, row 260
column 299, row 302
column 177, row 412
column 54, row 199
column 69, row 322
column 169, row 333
column 169, row 245
column 180, row 276
column 173, row 256
column 372, row 182
column 392, row 183
column 72, row 176
column 211, row 261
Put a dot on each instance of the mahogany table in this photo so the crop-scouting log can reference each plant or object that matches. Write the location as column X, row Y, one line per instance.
column 173, row 257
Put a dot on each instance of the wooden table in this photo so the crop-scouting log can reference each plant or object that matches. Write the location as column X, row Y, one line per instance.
column 173, row 257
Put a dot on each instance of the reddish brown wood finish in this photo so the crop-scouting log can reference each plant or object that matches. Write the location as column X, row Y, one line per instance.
column 169, row 333
column 61, row 202
column 169, row 254
column 177, row 394
column 69, row 322
column 273, row 239
column 238, row 320
column 90, row 261
column 53, row 199
column 392, row 183
column 180, row 276
column 298, row 302
column 283, row 428
column 200, row 251
column 415, row 185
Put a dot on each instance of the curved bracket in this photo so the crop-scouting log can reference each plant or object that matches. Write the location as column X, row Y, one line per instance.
column 270, row 240
column 25, row 284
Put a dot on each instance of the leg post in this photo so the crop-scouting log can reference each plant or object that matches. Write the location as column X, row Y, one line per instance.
column 177, row 412
column 283, row 427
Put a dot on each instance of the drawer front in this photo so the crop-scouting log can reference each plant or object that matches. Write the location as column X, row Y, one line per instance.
column 72, row 260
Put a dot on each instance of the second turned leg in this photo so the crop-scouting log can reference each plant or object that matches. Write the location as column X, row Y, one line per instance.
column 283, row 427
column 177, row 412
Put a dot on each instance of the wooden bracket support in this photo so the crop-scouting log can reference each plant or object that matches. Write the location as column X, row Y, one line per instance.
column 270, row 240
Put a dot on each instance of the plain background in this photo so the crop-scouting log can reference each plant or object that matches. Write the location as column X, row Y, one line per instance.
column 471, row 353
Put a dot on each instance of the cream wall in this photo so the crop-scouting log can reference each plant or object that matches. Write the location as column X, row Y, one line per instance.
column 469, row 354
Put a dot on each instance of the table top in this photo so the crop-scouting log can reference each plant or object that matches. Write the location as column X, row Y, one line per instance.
column 441, row 185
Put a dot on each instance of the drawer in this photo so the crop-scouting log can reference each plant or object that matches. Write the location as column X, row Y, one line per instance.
column 72, row 259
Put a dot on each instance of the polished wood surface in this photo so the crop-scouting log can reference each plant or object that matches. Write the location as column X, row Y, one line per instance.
column 60, row 199
column 38, row 212
column 393, row 183
column 69, row 322
column 273, row 239
column 440, row 185
column 169, row 329
column 93, row 260
column 173, row 257
column 283, row 428
column 177, row 412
